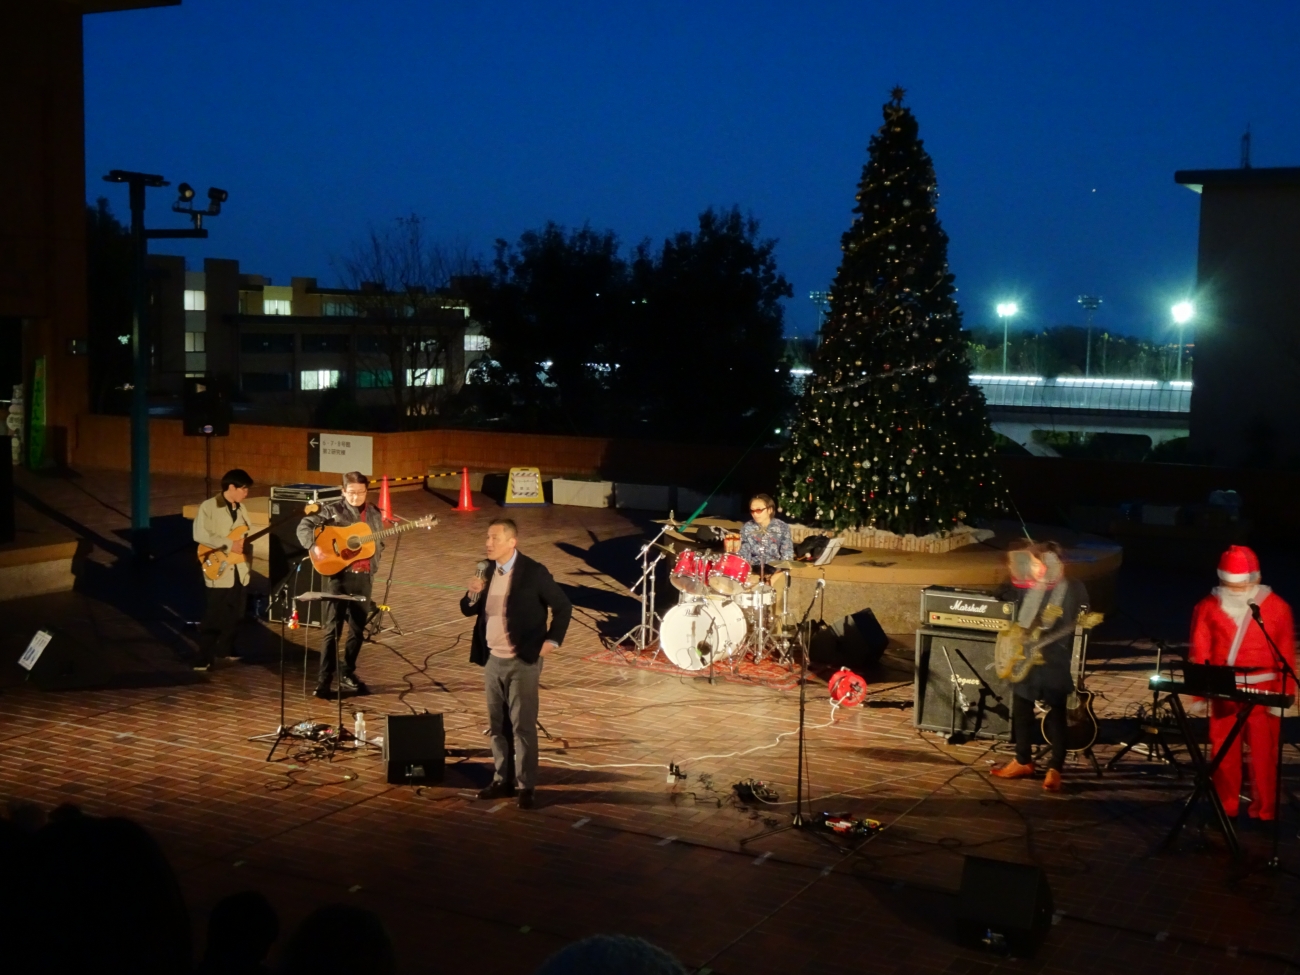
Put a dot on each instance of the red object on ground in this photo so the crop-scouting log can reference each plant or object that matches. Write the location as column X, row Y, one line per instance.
column 385, row 502
column 466, row 502
column 847, row 689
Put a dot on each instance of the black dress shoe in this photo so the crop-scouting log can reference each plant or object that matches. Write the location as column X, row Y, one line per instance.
column 354, row 684
column 526, row 799
column 497, row 790
column 323, row 692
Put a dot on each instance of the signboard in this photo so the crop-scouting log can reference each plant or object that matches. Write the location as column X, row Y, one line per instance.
column 34, row 649
column 524, row 486
column 338, row 453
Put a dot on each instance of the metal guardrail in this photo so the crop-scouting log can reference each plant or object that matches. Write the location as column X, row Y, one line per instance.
column 1078, row 393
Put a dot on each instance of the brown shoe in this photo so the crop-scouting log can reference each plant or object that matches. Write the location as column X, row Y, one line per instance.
column 1014, row 770
column 1053, row 781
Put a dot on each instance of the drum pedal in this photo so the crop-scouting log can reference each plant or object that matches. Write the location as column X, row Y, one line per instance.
column 675, row 773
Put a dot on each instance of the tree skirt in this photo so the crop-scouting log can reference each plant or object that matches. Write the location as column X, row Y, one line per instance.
column 768, row 673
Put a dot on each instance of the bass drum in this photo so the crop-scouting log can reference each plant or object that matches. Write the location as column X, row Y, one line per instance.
column 693, row 633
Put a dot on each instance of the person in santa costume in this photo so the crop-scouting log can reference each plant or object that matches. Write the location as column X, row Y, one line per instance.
column 1225, row 634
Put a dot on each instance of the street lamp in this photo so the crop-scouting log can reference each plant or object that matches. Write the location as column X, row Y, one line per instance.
column 1006, row 309
column 137, row 183
column 1089, row 303
column 1183, row 312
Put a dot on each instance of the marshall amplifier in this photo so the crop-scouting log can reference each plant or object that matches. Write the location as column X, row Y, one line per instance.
column 960, row 610
column 956, row 690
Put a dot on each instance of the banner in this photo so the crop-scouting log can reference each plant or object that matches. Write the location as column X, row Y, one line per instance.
column 36, row 417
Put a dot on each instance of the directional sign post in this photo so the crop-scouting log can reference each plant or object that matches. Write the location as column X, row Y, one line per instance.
column 338, row 453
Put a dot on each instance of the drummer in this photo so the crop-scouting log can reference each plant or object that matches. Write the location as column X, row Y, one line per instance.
column 766, row 539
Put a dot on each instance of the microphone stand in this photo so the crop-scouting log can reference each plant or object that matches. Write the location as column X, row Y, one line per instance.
column 1275, row 860
column 798, row 820
column 281, row 732
column 645, row 631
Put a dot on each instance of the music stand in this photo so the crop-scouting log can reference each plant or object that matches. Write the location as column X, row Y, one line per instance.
column 281, row 732
column 334, row 741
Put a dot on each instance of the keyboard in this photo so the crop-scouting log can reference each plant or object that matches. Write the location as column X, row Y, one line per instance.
column 1244, row 694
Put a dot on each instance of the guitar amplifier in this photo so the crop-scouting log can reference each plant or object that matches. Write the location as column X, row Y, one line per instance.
column 961, row 610
column 305, row 493
column 956, row 690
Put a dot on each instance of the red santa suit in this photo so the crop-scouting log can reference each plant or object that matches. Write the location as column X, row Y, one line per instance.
column 1224, row 633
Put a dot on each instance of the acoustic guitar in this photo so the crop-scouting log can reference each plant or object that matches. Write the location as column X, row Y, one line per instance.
column 337, row 546
column 1080, row 718
column 215, row 560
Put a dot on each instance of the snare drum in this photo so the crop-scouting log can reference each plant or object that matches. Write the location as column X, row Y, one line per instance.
column 728, row 574
column 760, row 596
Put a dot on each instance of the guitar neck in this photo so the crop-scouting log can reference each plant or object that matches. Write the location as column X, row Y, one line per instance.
column 395, row 530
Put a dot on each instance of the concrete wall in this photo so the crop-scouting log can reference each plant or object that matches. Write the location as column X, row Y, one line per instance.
column 1246, row 396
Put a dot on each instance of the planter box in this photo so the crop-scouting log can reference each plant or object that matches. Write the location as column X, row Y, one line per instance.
column 643, row 497
column 582, row 494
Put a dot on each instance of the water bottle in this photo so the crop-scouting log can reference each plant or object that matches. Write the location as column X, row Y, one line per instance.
column 359, row 726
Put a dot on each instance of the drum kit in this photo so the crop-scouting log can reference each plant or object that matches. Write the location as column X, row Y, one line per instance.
column 721, row 616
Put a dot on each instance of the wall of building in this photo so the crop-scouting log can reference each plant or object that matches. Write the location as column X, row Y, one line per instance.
column 1248, row 326
column 43, row 201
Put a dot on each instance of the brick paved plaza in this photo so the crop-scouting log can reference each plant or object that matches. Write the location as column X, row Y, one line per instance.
column 468, row 886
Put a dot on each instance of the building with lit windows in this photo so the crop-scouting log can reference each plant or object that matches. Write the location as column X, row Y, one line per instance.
column 279, row 348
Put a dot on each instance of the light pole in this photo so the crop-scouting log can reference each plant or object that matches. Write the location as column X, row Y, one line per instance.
column 1090, row 304
column 1006, row 310
column 140, row 343
column 1183, row 313
column 822, row 299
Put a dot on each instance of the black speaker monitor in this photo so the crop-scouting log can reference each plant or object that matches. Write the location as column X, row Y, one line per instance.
column 415, row 742
column 855, row 642
column 1006, row 907
column 206, row 408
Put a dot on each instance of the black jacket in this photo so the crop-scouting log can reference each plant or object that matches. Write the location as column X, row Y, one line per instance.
column 339, row 512
column 532, row 592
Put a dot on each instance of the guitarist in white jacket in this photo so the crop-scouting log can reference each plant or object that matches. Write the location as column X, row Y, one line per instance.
column 227, row 593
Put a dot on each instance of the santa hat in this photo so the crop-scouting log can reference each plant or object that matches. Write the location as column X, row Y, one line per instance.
column 1239, row 564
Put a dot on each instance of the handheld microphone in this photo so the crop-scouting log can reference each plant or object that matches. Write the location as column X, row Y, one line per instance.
column 1254, row 611
column 480, row 572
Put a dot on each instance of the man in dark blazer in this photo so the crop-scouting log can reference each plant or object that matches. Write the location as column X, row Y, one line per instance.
column 511, row 636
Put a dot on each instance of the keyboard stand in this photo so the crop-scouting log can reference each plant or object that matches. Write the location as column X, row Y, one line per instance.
column 1204, row 772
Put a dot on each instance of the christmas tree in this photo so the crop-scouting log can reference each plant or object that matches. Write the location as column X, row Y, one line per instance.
column 891, row 434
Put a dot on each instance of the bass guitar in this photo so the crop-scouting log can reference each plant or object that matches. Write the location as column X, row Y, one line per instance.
column 1080, row 718
column 215, row 560
column 337, row 546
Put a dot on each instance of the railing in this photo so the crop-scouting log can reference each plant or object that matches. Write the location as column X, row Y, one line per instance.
column 1078, row 393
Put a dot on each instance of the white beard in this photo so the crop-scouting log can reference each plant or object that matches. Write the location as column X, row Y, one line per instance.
column 1237, row 604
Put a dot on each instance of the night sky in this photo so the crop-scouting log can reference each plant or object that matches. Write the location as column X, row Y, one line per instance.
column 1055, row 129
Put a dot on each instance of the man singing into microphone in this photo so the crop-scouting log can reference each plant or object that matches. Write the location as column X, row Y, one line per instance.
column 1225, row 634
column 510, row 638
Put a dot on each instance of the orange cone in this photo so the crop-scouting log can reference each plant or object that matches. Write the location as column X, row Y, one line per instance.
column 385, row 502
column 466, row 502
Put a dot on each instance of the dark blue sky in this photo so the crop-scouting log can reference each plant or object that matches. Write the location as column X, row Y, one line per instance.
column 1055, row 129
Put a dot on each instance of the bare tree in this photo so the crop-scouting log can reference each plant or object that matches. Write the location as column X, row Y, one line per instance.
column 406, row 341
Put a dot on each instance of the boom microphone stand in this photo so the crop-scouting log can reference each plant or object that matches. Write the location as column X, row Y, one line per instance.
column 1275, row 860
column 646, row 631
column 335, row 741
column 798, row 820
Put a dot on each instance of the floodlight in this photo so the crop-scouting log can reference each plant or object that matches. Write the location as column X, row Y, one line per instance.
column 184, row 193
column 1183, row 312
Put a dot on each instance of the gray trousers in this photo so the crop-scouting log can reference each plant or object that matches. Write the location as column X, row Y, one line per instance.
column 511, row 686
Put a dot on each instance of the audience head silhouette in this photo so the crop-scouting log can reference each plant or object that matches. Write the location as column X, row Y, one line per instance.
column 339, row 939
column 611, row 954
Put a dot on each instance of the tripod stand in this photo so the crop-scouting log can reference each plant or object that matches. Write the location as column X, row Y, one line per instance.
column 646, row 631
column 335, row 740
column 1151, row 734
column 281, row 732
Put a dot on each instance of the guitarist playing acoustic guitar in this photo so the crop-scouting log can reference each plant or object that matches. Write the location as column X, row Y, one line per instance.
column 355, row 580
column 1042, row 632
column 227, row 592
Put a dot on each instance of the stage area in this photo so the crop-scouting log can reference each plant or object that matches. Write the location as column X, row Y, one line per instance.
column 483, row 887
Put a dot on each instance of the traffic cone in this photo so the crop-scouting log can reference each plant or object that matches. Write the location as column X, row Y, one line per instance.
column 466, row 502
column 385, row 502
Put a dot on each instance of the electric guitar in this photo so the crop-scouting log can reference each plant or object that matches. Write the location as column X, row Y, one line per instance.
column 215, row 560
column 1080, row 718
column 337, row 547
